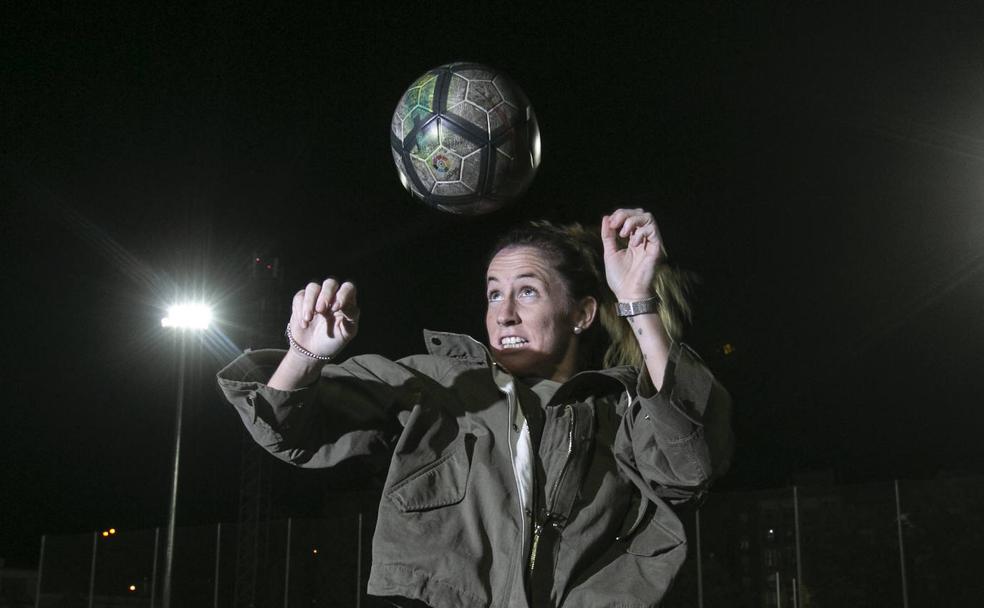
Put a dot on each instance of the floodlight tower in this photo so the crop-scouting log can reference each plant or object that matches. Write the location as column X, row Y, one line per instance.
column 182, row 319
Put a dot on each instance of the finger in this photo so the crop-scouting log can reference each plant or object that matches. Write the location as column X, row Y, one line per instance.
column 635, row 221
column 345, row 301
column 620, row 215
column 608, row 239
column 307, row 306
column 295, row 309
column 328, row 289
column 644, row 234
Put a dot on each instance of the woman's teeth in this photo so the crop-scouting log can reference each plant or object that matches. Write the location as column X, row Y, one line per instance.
column 512, row 342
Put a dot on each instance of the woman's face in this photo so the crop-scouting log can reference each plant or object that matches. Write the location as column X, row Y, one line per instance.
column 530, row 317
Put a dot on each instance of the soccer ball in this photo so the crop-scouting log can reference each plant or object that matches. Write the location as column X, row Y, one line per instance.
column 465, row 139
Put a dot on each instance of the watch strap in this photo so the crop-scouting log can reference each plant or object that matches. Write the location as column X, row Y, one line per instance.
column 639, row 307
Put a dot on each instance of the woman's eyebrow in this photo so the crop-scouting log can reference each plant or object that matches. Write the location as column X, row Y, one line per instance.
column 525, row 275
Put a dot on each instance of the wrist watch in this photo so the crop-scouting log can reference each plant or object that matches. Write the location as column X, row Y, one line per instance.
column 639, row 307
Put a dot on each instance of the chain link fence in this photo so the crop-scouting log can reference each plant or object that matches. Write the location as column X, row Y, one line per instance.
column 906, row 544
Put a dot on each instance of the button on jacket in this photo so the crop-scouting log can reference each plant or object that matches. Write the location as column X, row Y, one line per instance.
column 611, row 455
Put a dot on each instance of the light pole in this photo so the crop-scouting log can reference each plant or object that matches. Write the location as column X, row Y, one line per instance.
column 182, row 318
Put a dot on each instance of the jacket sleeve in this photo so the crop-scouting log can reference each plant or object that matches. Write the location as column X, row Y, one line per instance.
column 676, row 441
column 351, row 411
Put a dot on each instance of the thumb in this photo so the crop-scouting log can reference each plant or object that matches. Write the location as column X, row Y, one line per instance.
column 608, row 236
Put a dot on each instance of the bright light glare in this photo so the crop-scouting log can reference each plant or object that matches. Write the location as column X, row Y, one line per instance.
column 188, row 316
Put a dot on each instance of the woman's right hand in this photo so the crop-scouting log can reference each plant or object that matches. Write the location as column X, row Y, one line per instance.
column 325, row 317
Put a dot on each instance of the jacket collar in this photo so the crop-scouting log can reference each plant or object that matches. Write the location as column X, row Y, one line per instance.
column 463, row 347
column 456, row 346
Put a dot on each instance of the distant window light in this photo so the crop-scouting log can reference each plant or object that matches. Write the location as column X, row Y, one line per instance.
column 728, row 348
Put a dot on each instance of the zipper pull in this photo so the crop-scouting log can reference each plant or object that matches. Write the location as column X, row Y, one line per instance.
column 537, row 530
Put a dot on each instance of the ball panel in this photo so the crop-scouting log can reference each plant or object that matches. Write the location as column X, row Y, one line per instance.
column 503, row 116
column 422, row 174
column 457, row 89
column 483, row 94
column 456, row 141
column 445, row 165
column 475, row 73
column 451, row 189
column 471, row 170
column 506, row 146
column 500, row 172
column 401, row 171
column 509, row 92
column 426, row 140
column 417, row 105
column 471, row 114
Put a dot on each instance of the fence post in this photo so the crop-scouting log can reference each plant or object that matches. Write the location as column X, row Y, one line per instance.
column 700, row 565
column 218, row 555
column 37, row 592
column 92, row 568
column 898, row 521
column 153, row 571
column 798, row 582
column 287, row 567
column 358, row 567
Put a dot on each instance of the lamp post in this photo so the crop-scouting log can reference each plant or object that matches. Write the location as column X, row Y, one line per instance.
column 182, row 318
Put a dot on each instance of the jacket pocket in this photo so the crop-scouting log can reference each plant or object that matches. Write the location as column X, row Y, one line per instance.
column 653, row 539
column 439, row 484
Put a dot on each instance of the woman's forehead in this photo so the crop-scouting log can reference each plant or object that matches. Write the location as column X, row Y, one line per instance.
column 520, row 262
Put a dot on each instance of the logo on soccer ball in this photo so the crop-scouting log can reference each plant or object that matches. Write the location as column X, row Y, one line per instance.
column 465, row 139
column 441, row 164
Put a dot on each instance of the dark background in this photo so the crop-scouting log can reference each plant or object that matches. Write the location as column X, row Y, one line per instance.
column 820, row 167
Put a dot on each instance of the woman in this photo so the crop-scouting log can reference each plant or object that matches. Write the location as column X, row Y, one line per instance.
column 518, row 475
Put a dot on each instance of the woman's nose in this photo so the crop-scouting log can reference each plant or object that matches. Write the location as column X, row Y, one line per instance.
column 507, row 314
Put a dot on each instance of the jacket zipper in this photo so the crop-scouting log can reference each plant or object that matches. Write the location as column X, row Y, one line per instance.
column 538, row 529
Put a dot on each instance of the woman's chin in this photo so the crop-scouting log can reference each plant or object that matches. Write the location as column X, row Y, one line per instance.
column 519, row 361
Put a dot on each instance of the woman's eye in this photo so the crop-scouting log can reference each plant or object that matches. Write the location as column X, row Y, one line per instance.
column 494, row 296
column 527, row 292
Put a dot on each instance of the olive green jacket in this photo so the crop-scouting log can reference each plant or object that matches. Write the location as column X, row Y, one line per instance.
column 611, row 455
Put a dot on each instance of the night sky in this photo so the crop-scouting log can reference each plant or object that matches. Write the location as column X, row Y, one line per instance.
column 821, row 169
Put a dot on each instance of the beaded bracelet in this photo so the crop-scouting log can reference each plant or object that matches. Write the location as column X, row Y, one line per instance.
column 293, row 344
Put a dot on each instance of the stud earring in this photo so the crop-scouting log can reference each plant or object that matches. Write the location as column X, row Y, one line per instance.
column 577, row 329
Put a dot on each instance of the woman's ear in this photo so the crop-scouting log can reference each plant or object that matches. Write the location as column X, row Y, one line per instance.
column 586, row 312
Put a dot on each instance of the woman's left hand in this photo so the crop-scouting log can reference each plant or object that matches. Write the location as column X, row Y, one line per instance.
column 630, row 270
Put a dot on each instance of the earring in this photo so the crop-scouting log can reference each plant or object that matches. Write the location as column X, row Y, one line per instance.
column 577, row 329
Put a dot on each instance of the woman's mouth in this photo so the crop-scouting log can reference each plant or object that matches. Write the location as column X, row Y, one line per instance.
column 512, row 342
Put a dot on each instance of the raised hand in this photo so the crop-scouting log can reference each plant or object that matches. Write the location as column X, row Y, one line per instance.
column 325, row 317
column 630, row 269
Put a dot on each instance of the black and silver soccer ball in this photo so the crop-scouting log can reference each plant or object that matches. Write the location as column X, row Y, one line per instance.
column 465, row 139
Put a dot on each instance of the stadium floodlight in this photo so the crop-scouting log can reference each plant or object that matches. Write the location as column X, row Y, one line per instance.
column 188, row 316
